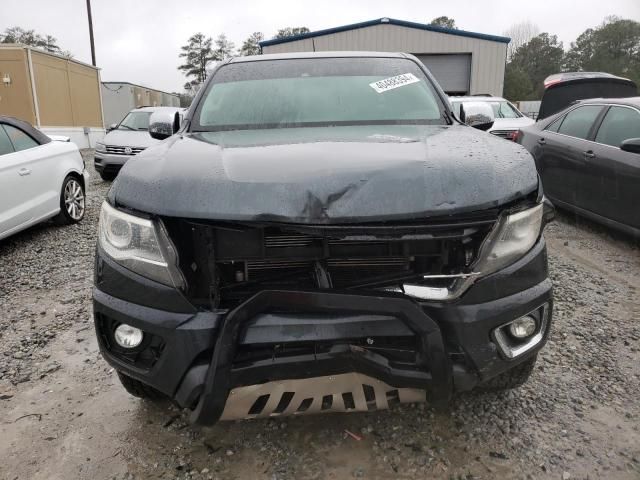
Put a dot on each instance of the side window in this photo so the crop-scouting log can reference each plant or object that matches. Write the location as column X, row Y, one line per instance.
column 554, row 126
column 5, row 143
column 578, row 122
column 20, row 140
column 618, row 125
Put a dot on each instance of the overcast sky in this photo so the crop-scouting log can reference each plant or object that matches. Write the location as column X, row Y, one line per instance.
column 139, row 40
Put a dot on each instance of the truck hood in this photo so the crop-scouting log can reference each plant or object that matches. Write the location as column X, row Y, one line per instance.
column 129, row 138
column 326, row 175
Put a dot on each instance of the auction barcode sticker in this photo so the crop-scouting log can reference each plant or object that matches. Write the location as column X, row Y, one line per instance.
column 390, row 83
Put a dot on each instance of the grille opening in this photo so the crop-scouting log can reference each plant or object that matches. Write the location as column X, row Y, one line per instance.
column 284, row 402
column 369, row 396
column 327, row 402
column 401, row 351
column 305, row 404
column 393, row 397
column 225, row 264
column 347, row 398
column 259, row 404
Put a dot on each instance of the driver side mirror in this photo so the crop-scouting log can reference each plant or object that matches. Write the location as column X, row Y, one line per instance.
column 163, row 124
column 631, row 145
column 477, row 115
column 113, row 126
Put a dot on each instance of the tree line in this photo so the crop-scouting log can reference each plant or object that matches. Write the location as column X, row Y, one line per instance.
column 201, row 51
column 47, row 43
column 612, row 47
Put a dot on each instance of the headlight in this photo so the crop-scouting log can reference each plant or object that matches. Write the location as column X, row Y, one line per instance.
column 139, row 244
column 100, row 147
column 513, row 237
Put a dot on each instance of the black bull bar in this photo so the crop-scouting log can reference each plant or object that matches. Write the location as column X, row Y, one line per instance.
column 432, row 358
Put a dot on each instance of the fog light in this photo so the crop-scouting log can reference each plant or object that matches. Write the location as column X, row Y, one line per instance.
column 127, row 336
column 523, row 327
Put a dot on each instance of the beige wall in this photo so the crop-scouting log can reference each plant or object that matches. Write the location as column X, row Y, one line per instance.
column 68, row 92
column 487, row 57
column 16, row 99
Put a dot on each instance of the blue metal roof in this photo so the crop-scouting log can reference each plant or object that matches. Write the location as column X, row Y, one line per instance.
column 386, row 21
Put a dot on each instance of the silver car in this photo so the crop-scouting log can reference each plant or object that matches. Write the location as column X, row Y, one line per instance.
column 508, row 119
column 125, row 140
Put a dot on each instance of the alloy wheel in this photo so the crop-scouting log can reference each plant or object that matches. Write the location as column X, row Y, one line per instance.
column 74, row 199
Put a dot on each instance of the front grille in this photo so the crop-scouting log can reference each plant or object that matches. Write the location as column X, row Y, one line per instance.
column 226, row 264
column 122, row 150
column 506, row 134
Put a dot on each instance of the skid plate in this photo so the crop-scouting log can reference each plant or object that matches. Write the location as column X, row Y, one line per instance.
column 348, row 392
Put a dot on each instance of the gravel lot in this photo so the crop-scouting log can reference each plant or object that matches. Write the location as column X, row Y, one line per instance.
column 64, row 415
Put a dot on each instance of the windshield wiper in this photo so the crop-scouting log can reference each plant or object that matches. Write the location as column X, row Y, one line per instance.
column 126, row 126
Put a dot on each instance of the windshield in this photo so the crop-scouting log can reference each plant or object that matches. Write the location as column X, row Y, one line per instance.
column 501, row 109
column 504, row 110
column 317, row 92
column 135, row 121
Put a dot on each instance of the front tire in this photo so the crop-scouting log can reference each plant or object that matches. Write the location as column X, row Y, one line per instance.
column 72, row 201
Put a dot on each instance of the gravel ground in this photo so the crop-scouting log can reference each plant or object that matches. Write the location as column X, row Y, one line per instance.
column 64, row 415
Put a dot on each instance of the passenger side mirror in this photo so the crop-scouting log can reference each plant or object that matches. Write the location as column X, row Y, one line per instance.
column 163, row 124
column 477, row 115
column 631, row 145
column 113, row 126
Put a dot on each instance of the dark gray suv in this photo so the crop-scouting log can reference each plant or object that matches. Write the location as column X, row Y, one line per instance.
column 321, row 234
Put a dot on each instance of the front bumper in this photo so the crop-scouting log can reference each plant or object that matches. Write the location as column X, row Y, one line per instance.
column 109, row 163
column 197, row 351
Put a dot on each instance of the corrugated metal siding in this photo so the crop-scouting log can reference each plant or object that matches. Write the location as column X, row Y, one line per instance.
column 118, row 99
column 487, row 57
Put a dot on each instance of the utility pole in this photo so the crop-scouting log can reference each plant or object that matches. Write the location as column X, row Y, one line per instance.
column 93, row 47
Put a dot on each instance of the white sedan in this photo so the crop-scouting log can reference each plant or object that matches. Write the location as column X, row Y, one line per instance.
column 39, row 178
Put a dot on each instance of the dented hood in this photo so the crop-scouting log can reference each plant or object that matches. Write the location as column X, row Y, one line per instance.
column 326, row 175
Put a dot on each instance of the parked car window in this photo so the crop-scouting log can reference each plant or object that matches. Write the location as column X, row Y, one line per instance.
column 21, row 141
column 619, row 124
column 554, row 126
column 578, row 122
column 504, row 110
column 135, row 121
column 5, row 144
column 318, row 92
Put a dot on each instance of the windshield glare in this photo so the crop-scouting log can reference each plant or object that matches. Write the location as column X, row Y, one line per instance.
column 135, row 121
column 317, row 92
column 504, row 110
column 501, row 109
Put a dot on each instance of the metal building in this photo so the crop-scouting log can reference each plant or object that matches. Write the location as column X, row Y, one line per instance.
column 464, row 63
column 118, row 98
column 56, row 94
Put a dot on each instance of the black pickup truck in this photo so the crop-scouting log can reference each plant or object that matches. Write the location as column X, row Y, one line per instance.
column 321, row 234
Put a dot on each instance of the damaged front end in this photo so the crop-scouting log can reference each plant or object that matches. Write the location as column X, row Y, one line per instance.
column 226, row 263
column 325, row 306
column 258, row 319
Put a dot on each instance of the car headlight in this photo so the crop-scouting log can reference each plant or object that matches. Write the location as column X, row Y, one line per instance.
column 139, row 244
column 100, row 147
column 514, row 236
